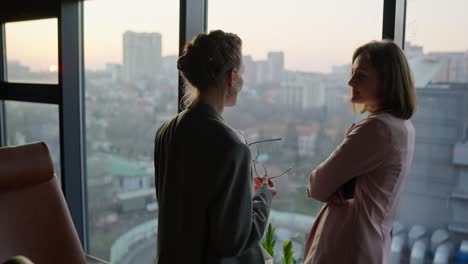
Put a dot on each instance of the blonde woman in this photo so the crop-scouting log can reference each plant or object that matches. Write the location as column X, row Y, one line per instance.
column 208, row 210
column 371, row 163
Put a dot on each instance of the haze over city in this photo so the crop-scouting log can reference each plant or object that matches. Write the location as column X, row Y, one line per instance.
column 319, row 35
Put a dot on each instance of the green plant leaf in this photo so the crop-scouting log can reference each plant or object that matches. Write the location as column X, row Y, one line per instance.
column 268, row 242
column 287, row 247
column 288, row 253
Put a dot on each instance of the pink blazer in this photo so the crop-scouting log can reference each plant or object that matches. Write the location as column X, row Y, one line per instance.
column 378, row 152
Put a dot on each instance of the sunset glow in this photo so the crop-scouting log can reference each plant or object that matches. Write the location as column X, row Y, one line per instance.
column 53, row 68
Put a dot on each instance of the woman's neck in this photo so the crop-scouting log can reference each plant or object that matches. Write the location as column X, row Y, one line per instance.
column 212, row 99
column 373, row 109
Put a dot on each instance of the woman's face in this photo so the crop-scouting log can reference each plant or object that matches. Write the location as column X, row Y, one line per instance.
column 364, row 83
column 235, row 81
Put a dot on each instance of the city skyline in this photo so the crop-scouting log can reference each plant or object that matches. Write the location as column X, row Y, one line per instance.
column 273, row 59
column 331, row 44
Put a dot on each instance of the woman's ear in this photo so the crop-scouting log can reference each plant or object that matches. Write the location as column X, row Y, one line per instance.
column 230, row 81
column 230, row 77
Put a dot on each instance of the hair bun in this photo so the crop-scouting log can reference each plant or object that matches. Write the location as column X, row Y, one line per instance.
column 182, row 63
column 206, row 58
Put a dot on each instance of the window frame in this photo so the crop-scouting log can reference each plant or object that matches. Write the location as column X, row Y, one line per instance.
column 69, row 93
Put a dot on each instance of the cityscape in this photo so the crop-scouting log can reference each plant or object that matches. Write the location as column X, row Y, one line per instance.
column 126, row 103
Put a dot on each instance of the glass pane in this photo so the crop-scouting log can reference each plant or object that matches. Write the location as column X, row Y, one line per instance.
column 131, row 88
column 32, row 51
column 32, row 122
column 297, row 58
column 436, row 191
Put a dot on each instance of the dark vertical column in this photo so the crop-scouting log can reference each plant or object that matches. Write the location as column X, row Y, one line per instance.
column 193, row 20
column 394, row 17
column 72, row 125
column 3, row 135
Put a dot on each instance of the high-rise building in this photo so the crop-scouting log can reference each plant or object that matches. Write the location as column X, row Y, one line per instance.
column 438, row 177
column 437, row 67
column 413, row 51
column 459, row 221
column 453, row 67
column 276, row 65
column 262, row 71
column 141, row 55
column 250, row 76
column 269, row 71
column 302, row 90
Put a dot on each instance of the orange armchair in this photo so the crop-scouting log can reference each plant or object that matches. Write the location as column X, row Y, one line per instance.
column 34, row 219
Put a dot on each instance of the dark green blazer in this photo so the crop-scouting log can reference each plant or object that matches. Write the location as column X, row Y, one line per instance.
column 208, row 212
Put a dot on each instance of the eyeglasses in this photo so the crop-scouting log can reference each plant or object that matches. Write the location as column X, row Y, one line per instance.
column 258, row 164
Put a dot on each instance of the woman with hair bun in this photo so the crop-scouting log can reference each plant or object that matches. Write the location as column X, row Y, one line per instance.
column 208, row 210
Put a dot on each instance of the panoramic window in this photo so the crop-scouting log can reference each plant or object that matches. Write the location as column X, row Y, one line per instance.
column 32, row 122
column 131, row 85
column 433, row 218
column 28, row 63
column 297, row 63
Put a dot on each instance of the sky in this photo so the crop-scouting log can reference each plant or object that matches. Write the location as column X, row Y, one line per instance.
column 313, row 34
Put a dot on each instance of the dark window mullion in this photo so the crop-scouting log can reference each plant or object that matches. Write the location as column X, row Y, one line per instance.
column 3, row 136
column 182, row 40
column 71, row 113
column 30, row 92
column 393, row 26
column 388, row 25
column 193, row 20
column 19, row 11
column 400, row 23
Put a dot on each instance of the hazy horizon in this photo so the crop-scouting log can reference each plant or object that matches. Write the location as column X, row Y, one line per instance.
column 313, row 35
